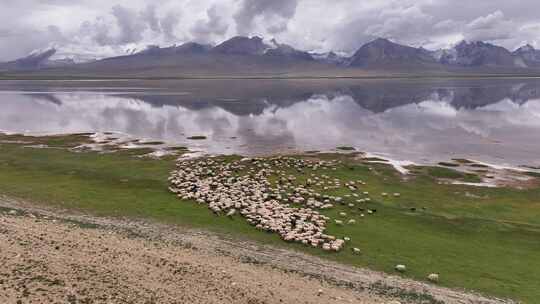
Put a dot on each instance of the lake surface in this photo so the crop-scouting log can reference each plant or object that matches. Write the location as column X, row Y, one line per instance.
column 495, row 120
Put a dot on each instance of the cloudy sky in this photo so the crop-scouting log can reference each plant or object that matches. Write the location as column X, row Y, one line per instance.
column 111, row 27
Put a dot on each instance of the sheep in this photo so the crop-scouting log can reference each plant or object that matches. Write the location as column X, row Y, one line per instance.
column 401, row 268
column 356, row 250
column 263, row 205
column 433, row 277
column 351, row 221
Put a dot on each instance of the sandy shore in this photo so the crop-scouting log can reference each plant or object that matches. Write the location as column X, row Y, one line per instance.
column 52, row 257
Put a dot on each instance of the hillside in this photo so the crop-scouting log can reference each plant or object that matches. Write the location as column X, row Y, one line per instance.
column 252, row 57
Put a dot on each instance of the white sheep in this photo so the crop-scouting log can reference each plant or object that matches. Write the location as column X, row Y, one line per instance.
column 433, row 277
column 262, row 203
column 401, row 268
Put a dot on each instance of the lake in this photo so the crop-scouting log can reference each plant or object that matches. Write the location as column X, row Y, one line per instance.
column 424, row 121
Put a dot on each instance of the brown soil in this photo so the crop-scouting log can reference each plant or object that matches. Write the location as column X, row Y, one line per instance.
column 49, row 256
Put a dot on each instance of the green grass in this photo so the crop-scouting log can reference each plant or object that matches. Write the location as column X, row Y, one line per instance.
column 533, row 174
column 345, row 148
column 447, row 173
column 482, row 239
column 447, row 164
column 197, row 137
column 462, row 161
column 151, row 143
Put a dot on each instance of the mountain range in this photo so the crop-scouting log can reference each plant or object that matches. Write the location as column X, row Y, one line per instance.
column 252, row 56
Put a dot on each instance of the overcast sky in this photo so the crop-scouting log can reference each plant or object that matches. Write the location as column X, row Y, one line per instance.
column 110, row 27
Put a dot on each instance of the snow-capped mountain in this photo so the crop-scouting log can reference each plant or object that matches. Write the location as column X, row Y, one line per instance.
column 530, row 55
column 331, row 57
column 478, row 53
column 254, row 54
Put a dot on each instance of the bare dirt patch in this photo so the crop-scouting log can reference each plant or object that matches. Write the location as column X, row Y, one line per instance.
column 50, row 256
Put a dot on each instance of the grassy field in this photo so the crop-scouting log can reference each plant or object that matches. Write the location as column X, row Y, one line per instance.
column 483, row 239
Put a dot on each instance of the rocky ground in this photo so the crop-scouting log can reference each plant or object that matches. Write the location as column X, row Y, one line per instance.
column 49, row 256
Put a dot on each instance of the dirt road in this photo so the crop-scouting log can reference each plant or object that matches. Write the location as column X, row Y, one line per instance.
column 50, row 257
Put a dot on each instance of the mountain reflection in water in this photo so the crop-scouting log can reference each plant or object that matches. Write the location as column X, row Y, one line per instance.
column 491, row 120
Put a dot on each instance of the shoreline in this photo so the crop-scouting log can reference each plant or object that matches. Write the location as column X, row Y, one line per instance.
column 161, row 148
column 247, row 77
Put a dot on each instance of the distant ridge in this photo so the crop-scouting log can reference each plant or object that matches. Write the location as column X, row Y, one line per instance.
column 530, row 55
column 186, row 48
column 240, row 45
column 252, row 56
column 474, row 54
column 34, row 60
column 383, row 53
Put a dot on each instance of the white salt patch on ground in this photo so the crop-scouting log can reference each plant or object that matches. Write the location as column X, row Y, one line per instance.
column 159, row 153
column 6, row 132
column 193, row 154
column 130, row 146
column 399, row 165
column 37, row 146
column 500, row 167
column 484, row 184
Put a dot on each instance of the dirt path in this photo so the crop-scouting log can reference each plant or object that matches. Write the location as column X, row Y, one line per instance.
column 50, row 256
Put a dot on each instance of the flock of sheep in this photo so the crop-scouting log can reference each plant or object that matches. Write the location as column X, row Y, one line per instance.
column 261, row 190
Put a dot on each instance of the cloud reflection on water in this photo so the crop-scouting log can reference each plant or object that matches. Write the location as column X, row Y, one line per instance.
column 432, row 128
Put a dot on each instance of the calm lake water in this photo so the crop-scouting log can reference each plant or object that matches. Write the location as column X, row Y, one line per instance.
column 496, row 121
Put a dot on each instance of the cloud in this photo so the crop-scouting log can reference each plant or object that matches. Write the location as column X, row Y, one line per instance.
column 16, row 42
column 447, row 25
column 98, row 31
column 168, row 24
column 275, row 15
column 213, row 25
column 401, row 23
column 486, row 22
column 109, row 26
column 491, row 27
column 149, row 15
column 130, row 25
